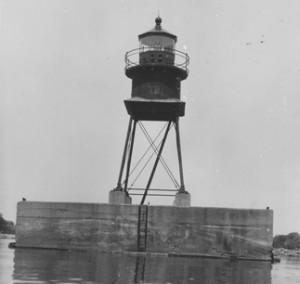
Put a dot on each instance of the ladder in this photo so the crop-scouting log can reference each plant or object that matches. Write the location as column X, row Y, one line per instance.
column 142, row 228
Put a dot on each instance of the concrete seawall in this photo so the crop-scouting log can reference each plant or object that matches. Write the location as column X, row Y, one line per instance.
column 193, row 231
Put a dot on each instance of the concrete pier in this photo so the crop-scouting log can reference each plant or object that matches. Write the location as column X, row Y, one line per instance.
column 189, row 231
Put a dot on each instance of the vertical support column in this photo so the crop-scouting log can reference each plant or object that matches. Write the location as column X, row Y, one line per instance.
column 120, row 195
column 182, row 187
column 119, row 186
column 182, row 198
column 130, row 156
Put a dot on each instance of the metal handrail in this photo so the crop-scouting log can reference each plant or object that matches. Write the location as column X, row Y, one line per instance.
column 181, row 59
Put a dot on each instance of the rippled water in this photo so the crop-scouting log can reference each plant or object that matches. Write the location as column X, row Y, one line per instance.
column 49, row 266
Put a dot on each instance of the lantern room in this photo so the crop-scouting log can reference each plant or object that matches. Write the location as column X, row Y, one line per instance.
column 157, row 45
column 158, row 38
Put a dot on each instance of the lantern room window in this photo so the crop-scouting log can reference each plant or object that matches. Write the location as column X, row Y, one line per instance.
column 157, row 42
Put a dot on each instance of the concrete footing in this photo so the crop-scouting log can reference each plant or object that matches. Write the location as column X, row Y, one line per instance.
column 182, row 199
column 119, row 197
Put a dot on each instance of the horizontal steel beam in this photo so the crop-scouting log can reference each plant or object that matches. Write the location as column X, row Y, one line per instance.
column 154, row 189
column 152, row 194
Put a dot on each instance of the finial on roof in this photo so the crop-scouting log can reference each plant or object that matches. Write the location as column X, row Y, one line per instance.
column 158, row 21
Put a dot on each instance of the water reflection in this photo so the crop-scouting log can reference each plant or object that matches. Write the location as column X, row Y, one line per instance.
column 48, row 266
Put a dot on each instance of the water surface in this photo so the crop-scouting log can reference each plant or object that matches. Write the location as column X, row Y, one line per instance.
column 52, row 266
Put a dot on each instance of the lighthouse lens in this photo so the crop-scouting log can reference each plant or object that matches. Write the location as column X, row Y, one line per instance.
column 155, row 42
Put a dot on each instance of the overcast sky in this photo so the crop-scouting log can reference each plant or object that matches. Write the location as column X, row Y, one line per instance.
column 62, row 86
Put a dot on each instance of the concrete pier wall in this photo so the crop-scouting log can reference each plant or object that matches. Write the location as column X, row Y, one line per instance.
column 211, row 231
column 217, row 232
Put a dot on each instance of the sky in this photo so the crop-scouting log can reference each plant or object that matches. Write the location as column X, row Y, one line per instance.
column 63, row 121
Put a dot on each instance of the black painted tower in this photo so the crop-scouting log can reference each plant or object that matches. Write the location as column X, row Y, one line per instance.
column 156, row 69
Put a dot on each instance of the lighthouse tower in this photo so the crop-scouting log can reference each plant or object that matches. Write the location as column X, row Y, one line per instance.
column 156, row 69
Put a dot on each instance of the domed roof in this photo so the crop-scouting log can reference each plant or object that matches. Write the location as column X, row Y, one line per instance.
column 158, row 30
column 158, row 21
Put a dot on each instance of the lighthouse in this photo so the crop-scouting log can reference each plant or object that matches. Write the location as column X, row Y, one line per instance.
column 156, row 69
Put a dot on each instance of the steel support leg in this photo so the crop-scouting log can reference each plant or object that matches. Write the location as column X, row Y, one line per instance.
column 119, row 185
column 130, row 156
column 156, row 162
column 182, row 187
